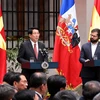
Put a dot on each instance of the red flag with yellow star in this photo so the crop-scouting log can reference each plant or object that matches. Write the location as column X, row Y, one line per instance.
column 2, row 49
column 95, row 22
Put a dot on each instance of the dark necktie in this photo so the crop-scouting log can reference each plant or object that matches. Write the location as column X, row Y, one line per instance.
column 35, row 50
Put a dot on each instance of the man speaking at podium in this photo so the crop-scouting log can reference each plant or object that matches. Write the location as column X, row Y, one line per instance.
column 90, row 51
column 30, row 50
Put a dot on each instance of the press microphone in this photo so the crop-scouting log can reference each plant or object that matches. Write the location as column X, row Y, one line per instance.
column 41, row 51
column 45, row 51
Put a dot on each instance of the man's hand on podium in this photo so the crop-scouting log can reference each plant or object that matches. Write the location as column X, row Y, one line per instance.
column 87, row 60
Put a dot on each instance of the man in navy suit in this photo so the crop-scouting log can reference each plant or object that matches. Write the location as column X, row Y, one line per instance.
column 32, row 48
column 90, row 51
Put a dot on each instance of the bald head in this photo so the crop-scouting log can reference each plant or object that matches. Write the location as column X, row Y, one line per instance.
column 91, row 88
column 37, row 79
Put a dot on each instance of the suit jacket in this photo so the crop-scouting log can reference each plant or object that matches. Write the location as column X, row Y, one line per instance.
column 40, row 98
column 26, row 52
column 86, row 53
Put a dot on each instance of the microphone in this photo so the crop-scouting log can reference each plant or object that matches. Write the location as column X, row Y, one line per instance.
column 45, row 51
column 41, row 51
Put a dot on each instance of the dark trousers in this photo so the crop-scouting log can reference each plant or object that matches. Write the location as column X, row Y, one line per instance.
column 90, row 74
column 96, row 76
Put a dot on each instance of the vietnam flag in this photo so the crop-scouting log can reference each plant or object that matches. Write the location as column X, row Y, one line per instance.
column 2, row 49
column 67, row 44
column 95, row 22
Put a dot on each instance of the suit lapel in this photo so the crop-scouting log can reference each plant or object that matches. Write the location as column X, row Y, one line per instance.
column 39, row 96
column 90, row 52
column 39, row 47
column 31, row 48
column 98, row 48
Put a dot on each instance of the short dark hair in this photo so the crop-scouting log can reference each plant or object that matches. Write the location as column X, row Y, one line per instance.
column 65, row 95
column 32, row 28
column 6, row 92
column 55, row 83
column 37, row 79
column 96, row 30
column 24, row 95
column 15, row 77
column 91, row 88
column 8, row 76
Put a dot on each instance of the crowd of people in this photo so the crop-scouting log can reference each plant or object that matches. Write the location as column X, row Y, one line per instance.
column 15, row 87
column 34, row 84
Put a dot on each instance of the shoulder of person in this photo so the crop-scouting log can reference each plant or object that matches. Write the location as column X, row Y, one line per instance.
column 86, row 44
column 26, row 42
column 99, row 42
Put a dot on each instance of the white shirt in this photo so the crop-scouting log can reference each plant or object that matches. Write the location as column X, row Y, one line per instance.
column 93, row 48
column 38, row 94
column 33, row 45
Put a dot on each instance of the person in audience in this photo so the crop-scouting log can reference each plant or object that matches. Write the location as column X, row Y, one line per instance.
column 38, row 83
column 97, row 97
column 17, row 80
column 26, row 95
column 6, row 92
column 90, row 89
column 55, row 83
column 78, row 96
column 65, row 95
column 7, row 78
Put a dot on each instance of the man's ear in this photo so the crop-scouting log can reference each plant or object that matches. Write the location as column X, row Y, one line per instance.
column 29, row 35
column 42, row 86
column 15, row 83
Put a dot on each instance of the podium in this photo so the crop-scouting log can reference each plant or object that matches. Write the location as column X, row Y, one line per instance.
column 92, row 63
column 38, row 65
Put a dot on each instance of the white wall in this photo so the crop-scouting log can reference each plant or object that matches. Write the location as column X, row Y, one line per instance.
column 81, row 18
column 89, row 4
column 84, row 14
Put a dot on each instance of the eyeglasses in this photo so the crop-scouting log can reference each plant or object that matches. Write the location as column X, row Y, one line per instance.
column 93, row 35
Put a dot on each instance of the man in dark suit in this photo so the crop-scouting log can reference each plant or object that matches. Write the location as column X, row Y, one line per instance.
column 91, row 88
column 38, row 83
column 90, row 51
column 32, row 48
column 55, row 83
